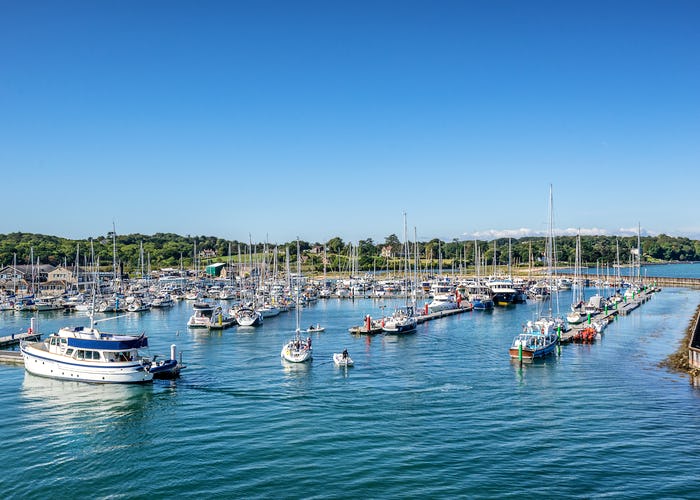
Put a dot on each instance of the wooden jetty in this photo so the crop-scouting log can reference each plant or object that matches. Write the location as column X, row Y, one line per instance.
column 652, row 281
column 11, row 357
column 373, row 326
column 620, row 309
column 16, row 338
column 441, row 314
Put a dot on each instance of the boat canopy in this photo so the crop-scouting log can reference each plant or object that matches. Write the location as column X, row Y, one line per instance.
column 110, row 344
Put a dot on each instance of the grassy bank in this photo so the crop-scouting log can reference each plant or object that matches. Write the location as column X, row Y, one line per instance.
column 678, row 361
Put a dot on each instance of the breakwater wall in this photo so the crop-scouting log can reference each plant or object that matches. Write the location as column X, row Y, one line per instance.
column 654, row 280
column 694, row 347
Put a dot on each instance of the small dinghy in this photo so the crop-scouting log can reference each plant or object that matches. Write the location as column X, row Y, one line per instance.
column 315, row 329
column 342, row 359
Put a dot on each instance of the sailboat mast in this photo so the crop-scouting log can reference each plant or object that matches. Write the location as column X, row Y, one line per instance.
column 639, row 252
column 405, row 257
column 114, row 252
column 298, row 283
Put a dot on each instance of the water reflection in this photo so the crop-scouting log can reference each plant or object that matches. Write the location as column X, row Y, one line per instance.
column 73, row 403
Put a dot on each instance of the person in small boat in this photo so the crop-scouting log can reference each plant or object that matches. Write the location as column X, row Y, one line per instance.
column 311, row 327
column 345, row 354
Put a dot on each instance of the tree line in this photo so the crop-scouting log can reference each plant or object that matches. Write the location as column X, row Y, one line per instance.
column 161, row 250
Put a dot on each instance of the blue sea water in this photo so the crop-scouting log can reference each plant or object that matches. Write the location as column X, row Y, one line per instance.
column 442, row 413
column 689, row 270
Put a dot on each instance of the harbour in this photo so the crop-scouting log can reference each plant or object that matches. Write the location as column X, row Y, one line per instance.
column 448, row 393
column 206, row 291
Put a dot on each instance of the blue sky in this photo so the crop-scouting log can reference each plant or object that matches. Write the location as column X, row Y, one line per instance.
column 271, row 120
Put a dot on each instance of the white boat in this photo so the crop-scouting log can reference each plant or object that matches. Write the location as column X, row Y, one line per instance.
column 268, row 311
column 297, row 350
column 578, row 310
column 537, row 340
column 442, row 302
column 540, row 338
column 48, row 304
column 208, row 315
column 162, row 300
column 315, row 329
column 88, row 355
column 402, row 321
column 138, row 305
column 342, row 359
column 111, row 304
column 247, row 316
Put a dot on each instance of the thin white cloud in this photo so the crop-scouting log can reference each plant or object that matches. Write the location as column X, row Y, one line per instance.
column 492, row 234
column 634, row 231
column 573, row 231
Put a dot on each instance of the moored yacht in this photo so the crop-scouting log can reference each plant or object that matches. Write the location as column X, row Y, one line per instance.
column 208, row 315
column 503, row 292
column 402, row 321
column 88, row 355
column 247, row 316
column 537, row 340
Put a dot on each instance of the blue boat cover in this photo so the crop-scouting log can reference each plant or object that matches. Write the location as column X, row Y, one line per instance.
column 109, row 344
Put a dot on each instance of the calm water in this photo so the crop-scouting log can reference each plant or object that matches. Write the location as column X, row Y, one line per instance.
column 441, row 413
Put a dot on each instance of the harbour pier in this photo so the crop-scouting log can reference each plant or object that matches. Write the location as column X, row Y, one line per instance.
column 620, row 309
column 11, row 357
column 16, row 338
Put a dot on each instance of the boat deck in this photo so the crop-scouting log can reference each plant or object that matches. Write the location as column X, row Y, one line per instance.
column 226, row 323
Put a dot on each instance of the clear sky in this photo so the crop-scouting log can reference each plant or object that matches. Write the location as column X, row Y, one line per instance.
column 278, row 119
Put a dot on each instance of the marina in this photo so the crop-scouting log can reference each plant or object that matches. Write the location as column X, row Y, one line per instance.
column 205, row 291
column 399, row 390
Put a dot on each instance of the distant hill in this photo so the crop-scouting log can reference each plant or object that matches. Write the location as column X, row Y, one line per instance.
column 172, row 250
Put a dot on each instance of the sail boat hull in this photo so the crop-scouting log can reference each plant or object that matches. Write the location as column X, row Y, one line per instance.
column 295, row 352
column 533, row 348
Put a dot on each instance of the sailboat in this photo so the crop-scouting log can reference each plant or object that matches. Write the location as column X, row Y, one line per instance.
column 403, row 320
column 540, row 337
column 578, row 307
column 479, row 294
column 297, row 350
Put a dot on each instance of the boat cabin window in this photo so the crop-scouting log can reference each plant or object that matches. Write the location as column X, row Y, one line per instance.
column 58, row 341
column 69, row 351
column 80, row 354
column 122, row 356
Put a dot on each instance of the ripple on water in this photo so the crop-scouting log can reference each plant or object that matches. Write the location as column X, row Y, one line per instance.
column 441, row 413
